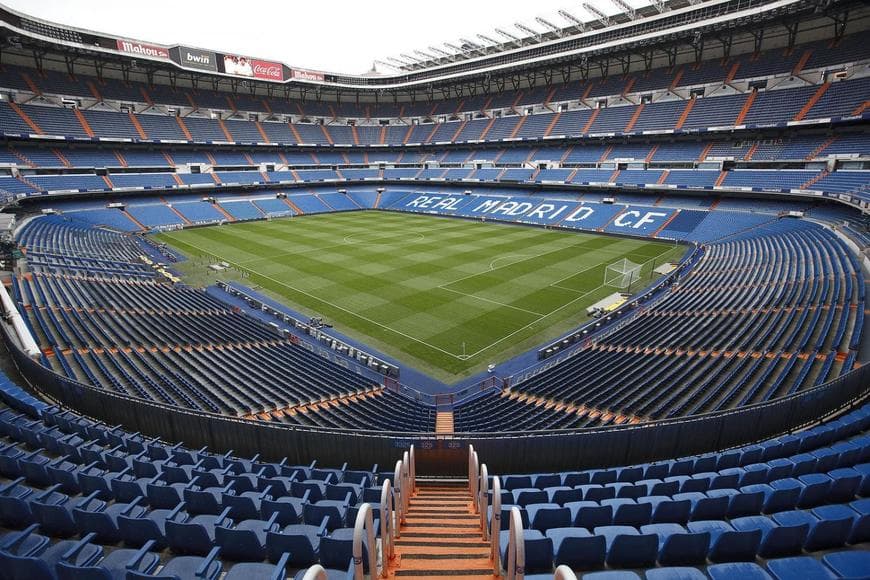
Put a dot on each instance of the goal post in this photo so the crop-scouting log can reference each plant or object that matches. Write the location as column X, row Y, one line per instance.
column 622, row 274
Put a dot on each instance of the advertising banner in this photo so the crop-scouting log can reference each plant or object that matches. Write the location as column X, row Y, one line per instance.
column 142, row 49
column 196, row 58
column 306, row 75
column 252, row 67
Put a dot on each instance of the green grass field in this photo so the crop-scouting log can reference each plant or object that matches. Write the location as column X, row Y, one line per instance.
column 447, row 296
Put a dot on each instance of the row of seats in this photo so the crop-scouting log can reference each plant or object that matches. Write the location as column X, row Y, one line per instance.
column 105, row 319
column 659, row 364
column 854, row 182
column 793, row 148
column 780, row 534
column 89, row 501
column 842, row 99
column 814, row 55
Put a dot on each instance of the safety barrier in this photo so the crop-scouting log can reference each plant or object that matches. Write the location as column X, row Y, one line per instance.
column 364, row 525
column 495, row 525
column 515, row 565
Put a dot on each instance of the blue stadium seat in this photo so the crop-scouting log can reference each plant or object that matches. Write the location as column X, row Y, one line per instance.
column 848, row 564
column 577, row 548
column 726, row 543
column 678, row 546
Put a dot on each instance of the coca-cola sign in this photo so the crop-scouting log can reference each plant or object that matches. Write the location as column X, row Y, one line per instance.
column 252, row 67
column 270, row 71
column 307, row 75
column 141, row 49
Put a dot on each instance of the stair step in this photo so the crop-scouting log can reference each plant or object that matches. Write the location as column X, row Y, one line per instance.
column 440, row 535
column 443, row 544
column 440, row 518
column 435, row 513
column 427, row 556
column 480, row 552
column 451, row 573
column 446, row 483
column 486, row 571
column 439, row 525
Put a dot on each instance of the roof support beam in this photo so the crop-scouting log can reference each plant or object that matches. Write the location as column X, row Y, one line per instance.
column 626, row 8
column 603, row 18
column 576, row 22
column 546, row 23
column 530, row 31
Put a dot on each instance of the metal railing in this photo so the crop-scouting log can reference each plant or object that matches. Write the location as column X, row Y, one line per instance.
column 515, row 565
column 495, row 525
column 388, row 524
column 364, row 526
column 473, row 476
column 483, row 498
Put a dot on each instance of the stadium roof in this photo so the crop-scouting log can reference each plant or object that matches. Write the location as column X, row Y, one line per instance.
column 563, row 46
column 408, row 32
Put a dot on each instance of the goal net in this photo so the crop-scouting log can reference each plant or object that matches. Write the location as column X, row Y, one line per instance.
column 621, row 274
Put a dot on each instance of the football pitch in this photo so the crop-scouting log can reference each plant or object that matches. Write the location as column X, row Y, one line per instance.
column 445, row 295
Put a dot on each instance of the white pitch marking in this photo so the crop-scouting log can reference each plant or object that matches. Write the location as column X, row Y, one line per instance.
column 490, row 301
column 442, row 287
column 343, row 243
column 360, row 316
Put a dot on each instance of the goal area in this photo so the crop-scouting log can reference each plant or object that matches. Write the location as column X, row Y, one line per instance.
column 621, row 274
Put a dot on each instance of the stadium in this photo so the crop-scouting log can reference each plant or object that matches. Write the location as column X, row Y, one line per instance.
column 583, row 301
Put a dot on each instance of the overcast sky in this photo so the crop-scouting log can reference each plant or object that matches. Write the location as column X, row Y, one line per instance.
column 336, row 36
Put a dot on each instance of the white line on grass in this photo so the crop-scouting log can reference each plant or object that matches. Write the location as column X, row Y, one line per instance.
column 360, row 316
column 557, row 283
column 346, row 242
column 443, row 287
column 490, row 301
column 491, row 269
column 500, row 258
column 502, row 339
column 551, row 313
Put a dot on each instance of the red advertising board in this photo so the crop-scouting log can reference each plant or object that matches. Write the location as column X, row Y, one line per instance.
column 142, row 49
column 252, row 67
column 270, row 71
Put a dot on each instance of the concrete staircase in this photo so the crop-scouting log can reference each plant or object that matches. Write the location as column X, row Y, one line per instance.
column 441, row 537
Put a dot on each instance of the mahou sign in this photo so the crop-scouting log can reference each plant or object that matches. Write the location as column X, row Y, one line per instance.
column 270, row 71
column 305, row 75
column 134, row 47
